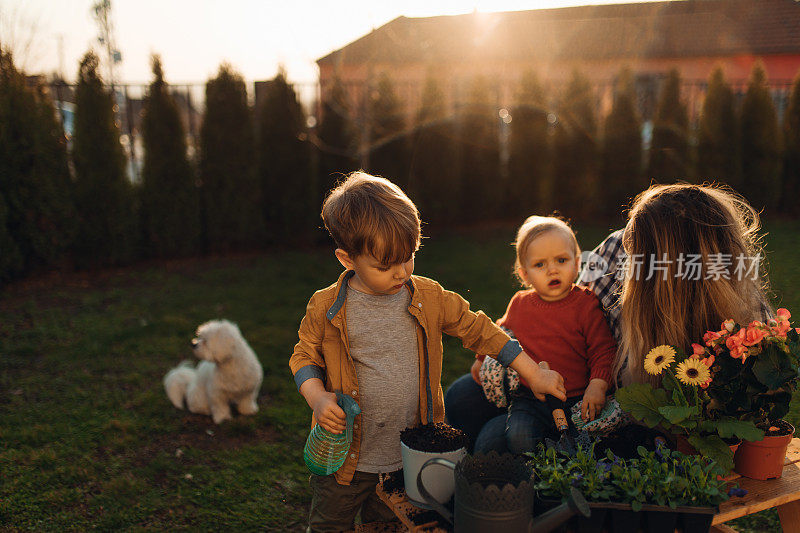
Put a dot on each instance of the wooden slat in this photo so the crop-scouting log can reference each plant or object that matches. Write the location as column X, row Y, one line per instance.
column 789, row 514
column 721, row 528
column 762, row 494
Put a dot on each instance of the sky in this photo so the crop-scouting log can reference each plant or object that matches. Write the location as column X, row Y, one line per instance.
column 193, row 37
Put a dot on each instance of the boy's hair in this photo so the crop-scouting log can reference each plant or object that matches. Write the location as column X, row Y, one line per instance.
column 370, row 214
column 533, row 227
column 668, row 223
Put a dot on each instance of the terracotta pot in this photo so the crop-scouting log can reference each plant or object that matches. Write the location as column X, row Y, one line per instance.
column 762, row 459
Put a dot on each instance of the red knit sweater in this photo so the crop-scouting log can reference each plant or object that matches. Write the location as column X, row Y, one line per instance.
column 571, row 335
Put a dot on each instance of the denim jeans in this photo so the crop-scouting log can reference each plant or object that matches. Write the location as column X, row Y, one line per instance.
column 530, row 421
column 467, row 408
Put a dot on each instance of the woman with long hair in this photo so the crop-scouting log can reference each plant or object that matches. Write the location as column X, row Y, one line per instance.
column 689, row 257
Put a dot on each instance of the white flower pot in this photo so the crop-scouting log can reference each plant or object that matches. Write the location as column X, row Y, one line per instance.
column 439, row 480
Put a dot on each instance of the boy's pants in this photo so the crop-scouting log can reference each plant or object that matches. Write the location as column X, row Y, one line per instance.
column 334, row 507
column 530, row 421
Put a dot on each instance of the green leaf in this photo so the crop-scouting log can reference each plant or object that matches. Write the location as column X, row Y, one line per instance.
column 773, row 368
column 677, row 414
column 744, row 430
column 642, row 401
column 714, row 448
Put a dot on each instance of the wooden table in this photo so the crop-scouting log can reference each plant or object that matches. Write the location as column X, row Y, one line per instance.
column 783, row 493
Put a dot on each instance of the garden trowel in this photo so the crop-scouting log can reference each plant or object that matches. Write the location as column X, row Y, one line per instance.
column 565, row 443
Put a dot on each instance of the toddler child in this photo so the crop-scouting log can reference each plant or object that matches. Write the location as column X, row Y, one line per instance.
column 558, row 322
column 376, row 334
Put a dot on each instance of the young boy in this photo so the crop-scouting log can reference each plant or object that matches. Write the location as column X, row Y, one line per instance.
column 376, row 334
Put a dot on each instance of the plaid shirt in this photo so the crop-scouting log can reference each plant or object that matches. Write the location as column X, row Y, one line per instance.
column 610, row 255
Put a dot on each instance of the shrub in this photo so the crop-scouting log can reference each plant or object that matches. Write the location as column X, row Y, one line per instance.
column 621, row 166
column 791, row 153
column 37, row 213
column 669, row 150
column 482, row 184
column 718, row 156
column 760, row 143
column 170, row 205
column 434, row 182
column 231, row 198
column 388, row 146
column 104, row 196
column 575, row 150
column 336, row 140
column 284, row 165
column 530, row 159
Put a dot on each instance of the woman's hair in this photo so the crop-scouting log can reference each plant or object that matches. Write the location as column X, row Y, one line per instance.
column 671, row 230
column 533, row 227
column 370, row 214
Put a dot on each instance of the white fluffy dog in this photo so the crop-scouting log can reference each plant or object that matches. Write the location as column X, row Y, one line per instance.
column 229, row 373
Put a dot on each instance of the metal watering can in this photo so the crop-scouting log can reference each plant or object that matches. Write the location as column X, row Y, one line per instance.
column 494, row 493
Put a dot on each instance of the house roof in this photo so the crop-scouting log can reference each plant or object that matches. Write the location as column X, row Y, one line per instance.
column 641, row 30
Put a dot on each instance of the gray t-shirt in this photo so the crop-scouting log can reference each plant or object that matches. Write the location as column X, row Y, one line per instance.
column 383, row 344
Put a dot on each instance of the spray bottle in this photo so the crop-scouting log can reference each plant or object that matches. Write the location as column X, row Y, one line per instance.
column 325, row 452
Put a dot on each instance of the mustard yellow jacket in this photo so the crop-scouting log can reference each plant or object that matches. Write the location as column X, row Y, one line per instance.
column 322, row 351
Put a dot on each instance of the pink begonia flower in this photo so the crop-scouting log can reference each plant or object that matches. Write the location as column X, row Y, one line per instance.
column 736, row 346
column 698, row 350
column 710, row 337
column 728, row 325
column 753, row 335
column 708, row 361
column 782, row 327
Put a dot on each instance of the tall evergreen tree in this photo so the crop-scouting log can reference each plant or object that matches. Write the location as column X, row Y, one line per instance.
column 482, row 184
column 434, row 177
column 231, row 213
column 530, row 159
column 336, row 139
column 669, row 150
column 170, row 202
column 104, row 196
column 575, row 151
column 388, row 145
column 285, row 172
column 761, row 151
column 790, row 199
column 37, row 218
column 718, row 156
column 621, row 164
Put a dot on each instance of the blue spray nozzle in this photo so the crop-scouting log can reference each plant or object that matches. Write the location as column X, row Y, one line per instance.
column 350, row 408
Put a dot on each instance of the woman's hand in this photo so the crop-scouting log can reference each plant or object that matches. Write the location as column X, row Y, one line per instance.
column 594, row 398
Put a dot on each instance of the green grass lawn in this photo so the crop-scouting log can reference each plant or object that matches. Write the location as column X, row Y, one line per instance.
column 88, row 438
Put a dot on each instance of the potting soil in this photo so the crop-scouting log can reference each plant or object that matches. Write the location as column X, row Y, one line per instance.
column 438, row 437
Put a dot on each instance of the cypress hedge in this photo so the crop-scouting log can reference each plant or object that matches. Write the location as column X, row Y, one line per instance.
column 621, row 165
column 104, row 196
column 231, row 214
column 760, row 143
column 170, row 207
column 718, row 151
column 669, row 151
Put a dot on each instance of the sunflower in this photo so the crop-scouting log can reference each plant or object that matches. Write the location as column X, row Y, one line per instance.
column 658, row 359
column 692, row 372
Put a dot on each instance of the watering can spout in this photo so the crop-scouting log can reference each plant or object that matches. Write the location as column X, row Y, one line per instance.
column 576, row 504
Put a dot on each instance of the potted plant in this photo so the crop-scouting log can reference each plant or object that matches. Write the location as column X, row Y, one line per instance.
column 681, row 406
column 427, row 441
column 755, row 371
column 657, row 491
